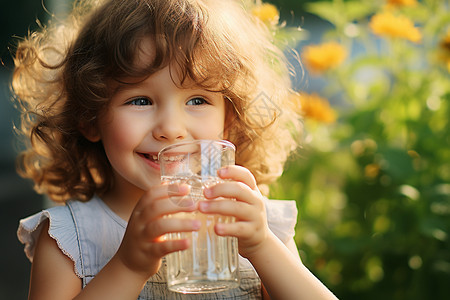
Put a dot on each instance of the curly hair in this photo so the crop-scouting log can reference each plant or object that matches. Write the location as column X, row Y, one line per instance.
column 63, row 74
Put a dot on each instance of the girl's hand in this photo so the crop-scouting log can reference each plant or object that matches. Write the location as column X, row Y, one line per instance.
column 143, row 244
column 250, row 226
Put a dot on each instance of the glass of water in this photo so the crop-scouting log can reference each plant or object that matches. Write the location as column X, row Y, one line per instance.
column 211, row 263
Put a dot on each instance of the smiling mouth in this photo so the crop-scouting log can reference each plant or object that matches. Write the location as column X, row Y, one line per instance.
column 151, row 157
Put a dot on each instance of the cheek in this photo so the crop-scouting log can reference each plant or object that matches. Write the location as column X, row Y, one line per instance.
column 214, row 124
column 120, row 136
column 213, row 128
column 221, row 125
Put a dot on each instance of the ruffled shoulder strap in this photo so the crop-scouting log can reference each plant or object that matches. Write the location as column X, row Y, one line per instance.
column 61, row 228
column 282, row 218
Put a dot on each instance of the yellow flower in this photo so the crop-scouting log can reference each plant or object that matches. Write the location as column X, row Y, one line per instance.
column 266, row 12
column 320, row 58
column 402, row 2
column 387, row 24
column 314, row 107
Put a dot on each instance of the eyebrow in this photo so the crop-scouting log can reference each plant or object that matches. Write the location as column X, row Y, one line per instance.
column 123, row 86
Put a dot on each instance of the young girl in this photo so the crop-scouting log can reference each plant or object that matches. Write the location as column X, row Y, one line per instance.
column 101, row 94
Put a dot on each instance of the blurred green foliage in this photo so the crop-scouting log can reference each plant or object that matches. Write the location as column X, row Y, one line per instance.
column 373, row 188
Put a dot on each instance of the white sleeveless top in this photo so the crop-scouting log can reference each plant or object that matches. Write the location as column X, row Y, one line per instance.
column 90, row 233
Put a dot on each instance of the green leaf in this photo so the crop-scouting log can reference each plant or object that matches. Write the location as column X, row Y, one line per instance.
column 356, row 10
column 324, row 10
column 340, row 13
column 398, row 163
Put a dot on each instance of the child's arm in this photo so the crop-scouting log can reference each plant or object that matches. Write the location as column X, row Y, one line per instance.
column 53, row 276
column 284, row 276
column 280, row 269
column 52, row 272
column 138, row 258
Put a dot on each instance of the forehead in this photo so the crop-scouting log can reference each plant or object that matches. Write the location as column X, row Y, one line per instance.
column 146, row 62
column 153, row 54
column 190, row 67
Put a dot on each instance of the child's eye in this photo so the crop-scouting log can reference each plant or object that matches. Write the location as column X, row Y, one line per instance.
column 197, row 101
column 141, row 101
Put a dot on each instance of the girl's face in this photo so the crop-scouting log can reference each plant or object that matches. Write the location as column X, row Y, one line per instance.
column 143, row 118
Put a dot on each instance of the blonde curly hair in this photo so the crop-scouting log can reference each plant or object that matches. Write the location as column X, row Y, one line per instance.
column 63, row 73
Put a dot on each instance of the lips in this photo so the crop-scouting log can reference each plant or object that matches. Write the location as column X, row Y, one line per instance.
column 152, row 157
column 151, row 160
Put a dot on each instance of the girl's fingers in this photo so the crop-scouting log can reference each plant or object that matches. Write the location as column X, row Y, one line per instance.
column 238, row 173
column 154, row 230
column 240, row 230
column 157, row 202
column 233, row 189
column 226, row 207
column 169, row 246
column 163, row 191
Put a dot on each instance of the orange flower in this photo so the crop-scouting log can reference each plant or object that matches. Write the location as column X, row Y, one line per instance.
column 387, row 24
column 371, row 170
column 320, row 58
column 445, row 42
column 402, row 2
column 444, row 51
column 312, row 106
column 266, row 12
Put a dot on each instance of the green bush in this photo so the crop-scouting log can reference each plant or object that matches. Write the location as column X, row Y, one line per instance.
column 373, row 187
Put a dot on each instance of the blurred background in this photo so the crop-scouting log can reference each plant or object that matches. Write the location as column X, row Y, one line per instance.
column 372, row 179
column 17, row 198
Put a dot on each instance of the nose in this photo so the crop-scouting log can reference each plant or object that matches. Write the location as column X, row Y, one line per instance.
column 170, row 126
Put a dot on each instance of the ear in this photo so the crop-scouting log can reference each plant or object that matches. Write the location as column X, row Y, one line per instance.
column 90, row 132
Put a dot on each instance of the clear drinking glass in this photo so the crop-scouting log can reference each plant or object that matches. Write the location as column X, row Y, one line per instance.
column 211, row 263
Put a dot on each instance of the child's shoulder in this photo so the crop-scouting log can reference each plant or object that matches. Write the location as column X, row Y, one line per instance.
column 61, row 228
column 71, row 226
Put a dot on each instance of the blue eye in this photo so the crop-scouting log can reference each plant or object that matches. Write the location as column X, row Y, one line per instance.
column 197, row 101
column 141, row 101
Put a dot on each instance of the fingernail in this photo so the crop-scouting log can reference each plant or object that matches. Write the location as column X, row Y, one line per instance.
column 203, row 205
column 177, row 189
column 219, row 229
column 223, row 171
column 196, row 224
column 207, row 192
